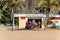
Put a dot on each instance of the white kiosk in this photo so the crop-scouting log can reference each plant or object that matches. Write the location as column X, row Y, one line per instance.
column 24, row 17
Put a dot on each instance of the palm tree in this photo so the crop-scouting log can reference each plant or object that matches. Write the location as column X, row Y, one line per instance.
column 49, row 4
column 13, row 4
column 58, row 5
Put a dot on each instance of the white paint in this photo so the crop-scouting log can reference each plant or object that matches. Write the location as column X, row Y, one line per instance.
column 57, row 22
column 29, row 15
column 22, row 22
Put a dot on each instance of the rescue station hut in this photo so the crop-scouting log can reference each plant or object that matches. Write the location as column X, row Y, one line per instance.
column 22, row 18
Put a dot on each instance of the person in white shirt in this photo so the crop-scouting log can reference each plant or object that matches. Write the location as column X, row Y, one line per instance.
column 33, row 22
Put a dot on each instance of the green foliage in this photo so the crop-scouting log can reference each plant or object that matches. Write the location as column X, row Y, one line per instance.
column 0, row 16
column 6, row 16
column 52, row 4
column 48, row 3
column 20, row 6
column 16, row 10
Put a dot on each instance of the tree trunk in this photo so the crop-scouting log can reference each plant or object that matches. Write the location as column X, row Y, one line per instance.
column 47, row 19
column 12, row 13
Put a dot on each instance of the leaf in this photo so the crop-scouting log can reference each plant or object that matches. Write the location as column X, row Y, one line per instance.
column 4, row 7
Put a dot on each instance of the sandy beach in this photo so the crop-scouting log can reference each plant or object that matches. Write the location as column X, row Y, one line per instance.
column 30, row 35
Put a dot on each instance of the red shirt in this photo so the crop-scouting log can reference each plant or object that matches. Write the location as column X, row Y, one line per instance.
column 28, row 23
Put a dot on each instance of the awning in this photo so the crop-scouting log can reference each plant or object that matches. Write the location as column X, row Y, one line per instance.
column 54, row 15
column 29, row 15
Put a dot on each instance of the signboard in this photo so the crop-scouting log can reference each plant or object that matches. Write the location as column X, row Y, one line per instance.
column 22, row 17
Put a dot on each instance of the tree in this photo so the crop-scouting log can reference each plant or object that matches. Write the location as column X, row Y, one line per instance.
column 49, row 4
column 58, row 5
column 12, row 6
column 18, row 4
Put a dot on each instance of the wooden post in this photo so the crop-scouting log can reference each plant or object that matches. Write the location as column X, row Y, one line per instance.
column 13, row 28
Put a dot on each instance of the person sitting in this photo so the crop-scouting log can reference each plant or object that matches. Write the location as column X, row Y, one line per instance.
column 54, row 25
column 33, row 22
column 28, row 25
column 35, row 25
column 39, row 24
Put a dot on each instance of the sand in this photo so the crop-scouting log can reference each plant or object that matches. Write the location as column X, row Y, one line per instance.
column 51, row 34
